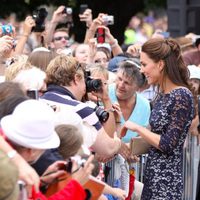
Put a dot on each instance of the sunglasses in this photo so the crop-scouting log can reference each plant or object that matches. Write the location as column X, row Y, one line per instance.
column 80, row 66
column 60, row 38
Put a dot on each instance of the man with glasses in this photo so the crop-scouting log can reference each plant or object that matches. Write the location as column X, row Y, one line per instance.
column 60, row 39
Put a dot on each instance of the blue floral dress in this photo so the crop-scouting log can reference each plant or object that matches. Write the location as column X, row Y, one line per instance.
column 171, row 118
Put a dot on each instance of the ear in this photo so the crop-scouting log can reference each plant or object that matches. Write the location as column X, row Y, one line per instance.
column 77, row 78
column 161, row 65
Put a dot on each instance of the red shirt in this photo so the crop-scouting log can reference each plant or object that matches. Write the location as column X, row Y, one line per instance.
column 73, row 190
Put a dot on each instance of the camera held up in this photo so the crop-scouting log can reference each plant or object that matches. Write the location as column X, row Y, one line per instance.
column 39, row 16
column 108, row 19
column 92, row 84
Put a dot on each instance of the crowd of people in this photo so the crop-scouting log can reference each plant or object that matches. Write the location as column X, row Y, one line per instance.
column 72, row 114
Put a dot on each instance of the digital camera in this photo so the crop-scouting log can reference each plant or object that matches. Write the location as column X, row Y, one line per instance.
column 108, row 19
column 6, row 29
column 92, row 84
column 39, row 16
column 67, row 10
column 102, row 114
column 68, row 166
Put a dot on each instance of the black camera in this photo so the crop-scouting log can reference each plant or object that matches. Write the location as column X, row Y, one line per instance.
column 92, row 84
column 102, row 114
column 39, row 16
column 68, row 166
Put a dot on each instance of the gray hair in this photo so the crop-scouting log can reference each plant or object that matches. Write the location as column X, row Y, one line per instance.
column 131, row 69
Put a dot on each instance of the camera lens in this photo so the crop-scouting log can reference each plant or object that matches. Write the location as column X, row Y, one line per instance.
column 93, row 85
column 101, row 114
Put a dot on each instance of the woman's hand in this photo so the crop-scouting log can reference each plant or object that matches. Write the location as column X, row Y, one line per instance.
column 86, row 17
column 134, row 49
column 117, row 112
column 82, row 175
column 128, row 125
column 6, row 46
column 54, row 171
column 27, row 174
column 29, row 23
column 59, row 16
column 125, row 151
column 97, row 22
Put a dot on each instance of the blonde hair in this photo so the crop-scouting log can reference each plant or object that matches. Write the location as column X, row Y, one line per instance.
column 13, row 69
column 97, row 69
column 62, row 69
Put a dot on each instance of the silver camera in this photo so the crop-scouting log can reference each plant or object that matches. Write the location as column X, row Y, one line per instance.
column 108, row 19
column 67, row 10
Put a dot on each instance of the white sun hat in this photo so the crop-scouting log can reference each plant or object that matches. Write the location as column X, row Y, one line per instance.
column 194, row 71
column 31, row 125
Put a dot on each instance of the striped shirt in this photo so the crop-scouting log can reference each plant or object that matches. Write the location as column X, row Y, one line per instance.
column 60, row 95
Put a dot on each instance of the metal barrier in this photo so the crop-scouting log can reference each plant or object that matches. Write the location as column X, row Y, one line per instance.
column 190, row 167
column 191, row 157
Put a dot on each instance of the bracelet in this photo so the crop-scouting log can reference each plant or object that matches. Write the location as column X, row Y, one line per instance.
column 11, row 154
column 114, row 44
column 118, row 122
column 110, row 110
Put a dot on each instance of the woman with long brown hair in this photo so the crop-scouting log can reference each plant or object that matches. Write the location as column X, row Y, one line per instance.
column 170, row 120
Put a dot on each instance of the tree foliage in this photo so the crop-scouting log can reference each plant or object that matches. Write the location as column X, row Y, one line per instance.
column 23, row 7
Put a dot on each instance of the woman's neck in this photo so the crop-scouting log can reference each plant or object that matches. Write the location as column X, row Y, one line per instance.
column 168, row 86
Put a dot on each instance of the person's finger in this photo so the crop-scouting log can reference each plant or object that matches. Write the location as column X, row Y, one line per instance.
column 89, row 160
column 123, row 131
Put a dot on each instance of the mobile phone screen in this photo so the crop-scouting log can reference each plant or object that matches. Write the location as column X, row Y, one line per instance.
column 100, row 35
column 165, row 34
column 33, row 94
column 83, row 7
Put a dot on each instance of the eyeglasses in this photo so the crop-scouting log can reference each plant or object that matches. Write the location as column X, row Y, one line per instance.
column 80, row 66
column 60, row 38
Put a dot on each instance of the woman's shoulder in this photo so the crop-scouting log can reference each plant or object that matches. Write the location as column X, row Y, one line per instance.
column 182, row 96
column 179, row 91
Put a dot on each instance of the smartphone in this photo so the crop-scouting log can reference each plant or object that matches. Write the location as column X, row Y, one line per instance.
column 100, row 34
column 165, row 34
column 83, row 7
column 33, row 94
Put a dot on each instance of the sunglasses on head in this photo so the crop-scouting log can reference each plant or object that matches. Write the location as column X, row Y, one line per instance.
column 60, row 38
